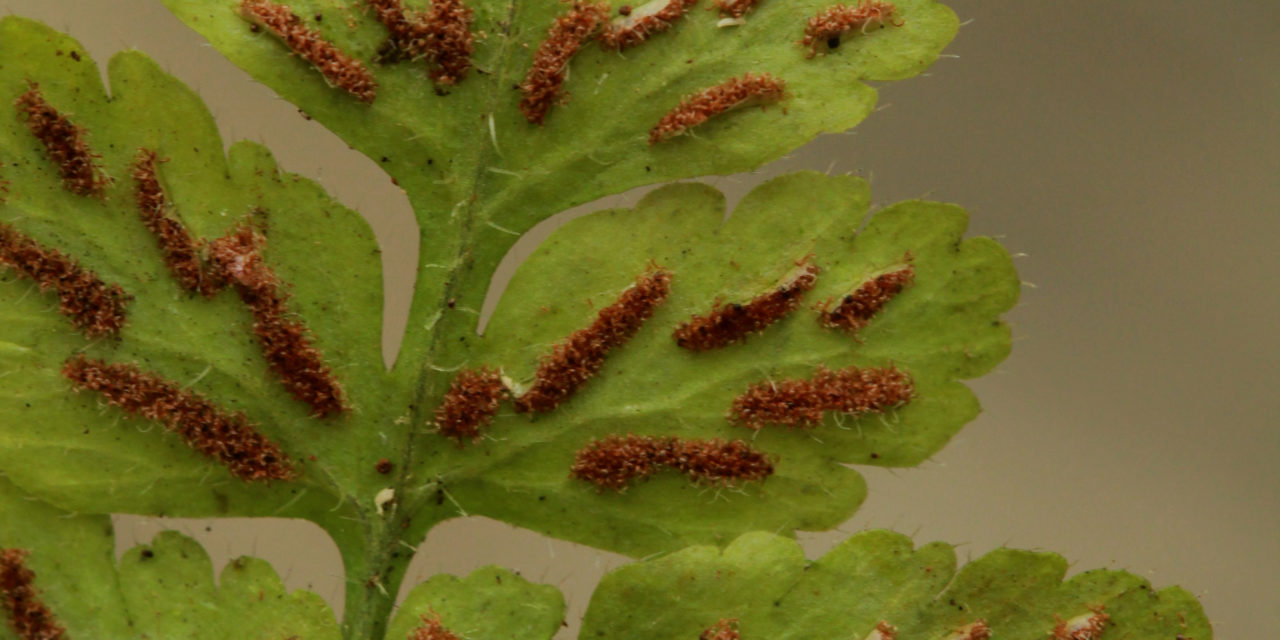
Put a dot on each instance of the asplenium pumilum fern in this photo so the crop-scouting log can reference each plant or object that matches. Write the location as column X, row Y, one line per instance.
column 478, row 174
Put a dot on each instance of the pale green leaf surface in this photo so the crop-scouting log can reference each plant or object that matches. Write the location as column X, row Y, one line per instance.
column 71, row 556
column 478, row 174
column 764, row 582
column 161, row 590
column 942, row 329
column 489, row 604
column 169, row 590
column 93, row 458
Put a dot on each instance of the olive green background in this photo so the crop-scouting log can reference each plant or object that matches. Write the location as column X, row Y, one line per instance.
column 1130, row 150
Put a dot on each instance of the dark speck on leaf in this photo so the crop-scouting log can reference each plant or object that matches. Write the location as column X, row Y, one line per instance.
column 833, row 42
column 147, row 554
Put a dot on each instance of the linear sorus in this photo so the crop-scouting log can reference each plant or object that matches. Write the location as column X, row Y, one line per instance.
column 727, row 324
column 573, row 361
column 723, row 629
column 883, row 631
column 856, row 309
column 974, row 631
column 181, row 254
column 440, row 35
column 1088, row 626
column 229, row 438
column 94, row 307
column 616, row 461
column 801, row 403
column 431, row 629
column 339, row 69
column 541, row 87
column 470, row 403
column 637, row 27
column 701, row 106
column 286, row 344
column 29, row 618
column 65, row 144
column 735, row 8
column 833, row 22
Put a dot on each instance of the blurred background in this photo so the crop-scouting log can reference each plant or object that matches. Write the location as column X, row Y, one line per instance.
column 1128, row 152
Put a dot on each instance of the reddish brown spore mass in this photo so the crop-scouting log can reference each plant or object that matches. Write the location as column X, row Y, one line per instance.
column 64, row 142
column 29, row 618
column 541, row 87
column 724, row 629
column 886, row 630
column 573, row 361
column 94, row 307
column 632, row 32
column 181, row 253
column 229, row 438
column 617, row 461
column 732, row 323
column 698, row 108
column 431, row 629
column 470, row 403
column 338, row 68
column 975, row 631
column 834, row 22
column 286, row 343
column 801, row 403
column 735, row 8
column 856, row 309
column 1090, row 628
column 440, row 35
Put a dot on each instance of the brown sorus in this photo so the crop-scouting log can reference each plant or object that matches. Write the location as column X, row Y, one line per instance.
column 29, row 618
column 1089, row 626
column 975, row 631
column 574, row 360
column 384, row 466
column 94, row 307
column 181, row 253
column 470, row 403
column 732, row 323
column 229, row 438
column 833, row 22
column 616, row 461
column 724, row 629
column 801, row 403
column 441, row 36
column 633, row 30
column 701, row 106
column 286, row 343
column 338, row 68
column 541, row 87
column 883, row 631
column 856, row 309
column 431, row 629
column 65, row 144
column 735, row 8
